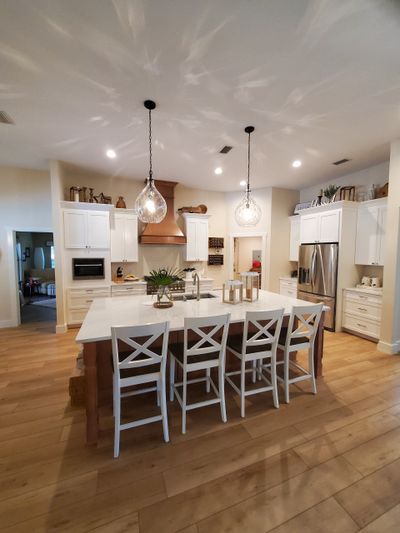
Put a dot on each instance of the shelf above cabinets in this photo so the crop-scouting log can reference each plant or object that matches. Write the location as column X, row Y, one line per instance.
column 196, row 230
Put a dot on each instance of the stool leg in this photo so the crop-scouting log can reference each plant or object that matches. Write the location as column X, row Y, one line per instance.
column 164, row 412
column 221, row 390
column 311, row 369
column 171, row 378
column 274, row 382
column 286, row 376
column 184, row 397
column 242, row 387
column 254, row 371
column 117, row 422
column 208, row 376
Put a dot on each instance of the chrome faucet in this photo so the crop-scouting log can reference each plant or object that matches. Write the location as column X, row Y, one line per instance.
column 196, row 279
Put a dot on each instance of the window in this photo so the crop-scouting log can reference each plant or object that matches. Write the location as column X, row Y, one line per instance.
column 53, row 261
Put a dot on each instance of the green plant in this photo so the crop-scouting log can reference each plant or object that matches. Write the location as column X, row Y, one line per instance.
column 330, row 191
column 164, row 276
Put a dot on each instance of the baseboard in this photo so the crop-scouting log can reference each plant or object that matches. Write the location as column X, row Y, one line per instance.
column 391, row 349
column 61, row 328
column 8, row 324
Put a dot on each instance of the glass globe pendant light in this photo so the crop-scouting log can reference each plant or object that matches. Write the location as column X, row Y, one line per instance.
column 150, row 205
column 248, row 213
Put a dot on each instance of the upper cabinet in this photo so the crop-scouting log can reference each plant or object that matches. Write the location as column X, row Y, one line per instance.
column 86, row 229
column 320, row 227
column 371, row 230
column 294, row 238
column 124, row 236
column 196, row 230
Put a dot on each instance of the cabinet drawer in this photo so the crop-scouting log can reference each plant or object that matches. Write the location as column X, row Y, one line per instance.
column 76, row 316
column 363, row 298
column 362, row 325
column 97, row 291
column 129, row 289
column 364, row 309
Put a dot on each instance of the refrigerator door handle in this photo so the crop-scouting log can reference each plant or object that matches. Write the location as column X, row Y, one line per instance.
column 313, row 268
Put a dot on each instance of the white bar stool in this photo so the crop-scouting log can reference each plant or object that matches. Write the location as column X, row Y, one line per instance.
column 141, row 339
column 259, row 342
column 300, row 335
column 203, row 348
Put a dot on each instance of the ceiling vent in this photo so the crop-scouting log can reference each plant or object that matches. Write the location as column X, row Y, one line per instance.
column 5, row 119
column 340, row 161
column 226, row 150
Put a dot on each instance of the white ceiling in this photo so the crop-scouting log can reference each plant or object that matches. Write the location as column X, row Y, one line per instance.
column 319, row 80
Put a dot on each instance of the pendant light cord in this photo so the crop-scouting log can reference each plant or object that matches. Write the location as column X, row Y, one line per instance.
column 150, row 150
column 248, row 164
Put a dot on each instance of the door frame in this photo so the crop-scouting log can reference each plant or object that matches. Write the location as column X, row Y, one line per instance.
column 13, row 269
column 230, row 251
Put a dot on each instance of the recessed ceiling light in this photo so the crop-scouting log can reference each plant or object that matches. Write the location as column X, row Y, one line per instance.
column 296, row 163
column 242, row 183
column 111, row 154
column 218, row 170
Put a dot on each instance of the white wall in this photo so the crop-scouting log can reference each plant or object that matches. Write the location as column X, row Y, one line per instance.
column 246, row 246
column 25, row 204
column 377, row 175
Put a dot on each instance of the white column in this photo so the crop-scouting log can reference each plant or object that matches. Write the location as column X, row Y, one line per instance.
column 390, row 328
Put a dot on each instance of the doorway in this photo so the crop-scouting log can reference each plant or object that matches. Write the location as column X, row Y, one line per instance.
column 36, row 286
column 247, row 255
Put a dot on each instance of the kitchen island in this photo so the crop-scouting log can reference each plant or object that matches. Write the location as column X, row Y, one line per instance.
column 95, row 335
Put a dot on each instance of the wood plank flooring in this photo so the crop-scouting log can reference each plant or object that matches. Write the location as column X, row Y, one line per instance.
column 327, row 463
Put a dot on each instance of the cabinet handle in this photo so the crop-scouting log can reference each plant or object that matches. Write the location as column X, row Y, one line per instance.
column 362, row 309
column 363, row 297
column 88, row 301
column 361, row 325
column 89, row 290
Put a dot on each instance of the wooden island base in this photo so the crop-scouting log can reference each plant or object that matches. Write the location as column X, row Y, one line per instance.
column 98, row 374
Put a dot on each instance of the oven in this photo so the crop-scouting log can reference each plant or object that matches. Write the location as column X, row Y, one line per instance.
column 88, row 268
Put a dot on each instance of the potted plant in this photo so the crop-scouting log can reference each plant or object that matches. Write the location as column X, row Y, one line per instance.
column 330, row 192
column 189, row 272
column 162, row 279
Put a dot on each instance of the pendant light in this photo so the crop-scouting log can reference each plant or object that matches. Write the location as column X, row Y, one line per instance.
column 248, row 212
column 150, row 205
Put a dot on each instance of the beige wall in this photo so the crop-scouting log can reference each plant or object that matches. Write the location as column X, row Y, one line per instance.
column 25, row 204
column 390, row 328
column 377, row 175
column 283, row 202
column 246, row 245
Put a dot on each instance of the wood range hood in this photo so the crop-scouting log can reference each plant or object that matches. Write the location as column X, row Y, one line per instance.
column 167, row 231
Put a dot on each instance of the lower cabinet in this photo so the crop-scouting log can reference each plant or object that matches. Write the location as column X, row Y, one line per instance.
column 362, row 312
column 288, row 287
column 138, row 287
column 79, row 300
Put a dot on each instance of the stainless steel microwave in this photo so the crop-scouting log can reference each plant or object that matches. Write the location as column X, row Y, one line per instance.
column 88, row 268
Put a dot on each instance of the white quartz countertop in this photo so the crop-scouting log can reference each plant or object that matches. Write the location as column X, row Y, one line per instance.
column 138, row 310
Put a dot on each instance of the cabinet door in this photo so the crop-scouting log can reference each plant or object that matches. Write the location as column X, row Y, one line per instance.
column 367, row 236
column 75, row 229
column 191, row 241
column 294, row 239
column 381, row 233
column 98, row 229
column 202, row 240
column 329, row 224
column 131, row 238
column 309, row 228
column 117, row 238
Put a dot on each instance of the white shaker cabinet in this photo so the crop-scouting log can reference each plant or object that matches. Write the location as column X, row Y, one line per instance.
column 294, row 238
column 124, row 237
column 320, row 227
column 86, row 229
column 196, row 230
column 371, row 230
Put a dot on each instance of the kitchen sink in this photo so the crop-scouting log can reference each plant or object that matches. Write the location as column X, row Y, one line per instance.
column 185, row 297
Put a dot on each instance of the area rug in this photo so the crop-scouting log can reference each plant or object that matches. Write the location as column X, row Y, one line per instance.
column 46, row 303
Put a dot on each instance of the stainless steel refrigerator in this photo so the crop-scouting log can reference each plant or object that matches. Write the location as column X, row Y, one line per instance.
column 317, row 277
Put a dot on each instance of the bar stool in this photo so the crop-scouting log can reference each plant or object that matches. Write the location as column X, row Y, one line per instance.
column 203, row 348
column 259, row 342
column 299, row 335
column 145, row 342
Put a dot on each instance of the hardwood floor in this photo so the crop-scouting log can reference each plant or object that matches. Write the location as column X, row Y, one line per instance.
column 327, row 463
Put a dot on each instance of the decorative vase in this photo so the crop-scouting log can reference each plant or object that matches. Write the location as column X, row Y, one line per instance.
column 164, row 297
column 121, row 203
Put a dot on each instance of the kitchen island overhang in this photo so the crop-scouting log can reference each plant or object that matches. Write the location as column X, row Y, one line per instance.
column 105, row 313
